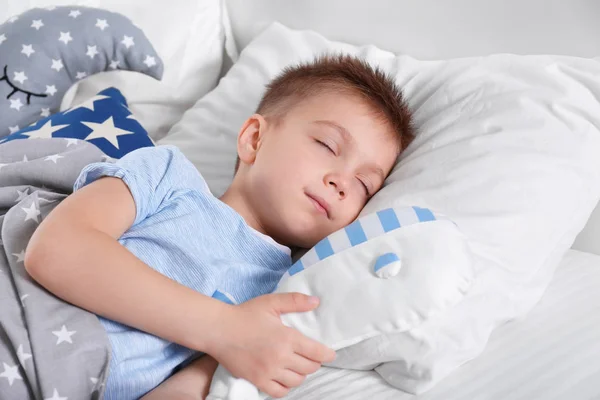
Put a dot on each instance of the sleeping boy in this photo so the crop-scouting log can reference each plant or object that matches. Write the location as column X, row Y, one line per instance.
column 174, row 272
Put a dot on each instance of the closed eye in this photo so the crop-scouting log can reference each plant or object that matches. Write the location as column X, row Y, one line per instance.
column 325, row 145
column 364, row 185
column 16, row 89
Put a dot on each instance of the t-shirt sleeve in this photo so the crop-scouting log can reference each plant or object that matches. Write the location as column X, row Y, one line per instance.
column 154, row 175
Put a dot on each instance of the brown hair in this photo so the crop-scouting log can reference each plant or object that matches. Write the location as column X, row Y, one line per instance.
column 342, row 73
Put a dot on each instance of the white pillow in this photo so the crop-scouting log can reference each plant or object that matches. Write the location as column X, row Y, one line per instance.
column 507, row 147
column 190, row 37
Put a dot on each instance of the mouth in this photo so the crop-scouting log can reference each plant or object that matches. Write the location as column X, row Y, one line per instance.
column 320, row 204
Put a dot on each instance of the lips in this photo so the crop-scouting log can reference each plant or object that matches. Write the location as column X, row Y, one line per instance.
column 320, row 204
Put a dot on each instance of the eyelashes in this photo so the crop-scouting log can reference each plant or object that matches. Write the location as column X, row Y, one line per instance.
column 16, row 89
column 326, row 146
column 365, row 187
column 362, row 183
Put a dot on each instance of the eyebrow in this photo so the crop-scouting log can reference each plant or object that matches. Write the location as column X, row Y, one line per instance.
column 376, row 169
column 347, row 137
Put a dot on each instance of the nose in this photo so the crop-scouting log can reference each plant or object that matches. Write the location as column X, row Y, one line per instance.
column 338, row 184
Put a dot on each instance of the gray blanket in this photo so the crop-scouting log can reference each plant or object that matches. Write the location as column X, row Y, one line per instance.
column 49, row 349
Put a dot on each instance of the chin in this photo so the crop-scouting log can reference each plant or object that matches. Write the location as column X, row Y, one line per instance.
column 298, row 236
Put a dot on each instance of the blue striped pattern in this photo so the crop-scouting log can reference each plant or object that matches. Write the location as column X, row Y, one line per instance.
column 355, row 233
column 389, row 219
column 324, row 249
column 424, row 214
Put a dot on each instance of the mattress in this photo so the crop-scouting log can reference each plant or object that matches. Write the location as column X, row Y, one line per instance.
column 553, row 353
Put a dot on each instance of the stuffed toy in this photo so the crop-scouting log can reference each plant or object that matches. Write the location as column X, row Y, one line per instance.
column 45, row 50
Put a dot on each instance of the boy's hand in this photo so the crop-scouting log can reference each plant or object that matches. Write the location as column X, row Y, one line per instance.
column 256, row 346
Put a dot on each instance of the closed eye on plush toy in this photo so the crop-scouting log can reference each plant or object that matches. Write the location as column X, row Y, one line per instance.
column 16, row 89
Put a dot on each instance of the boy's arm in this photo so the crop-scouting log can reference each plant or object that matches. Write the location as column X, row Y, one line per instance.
column 74, row 253
column 191, row 383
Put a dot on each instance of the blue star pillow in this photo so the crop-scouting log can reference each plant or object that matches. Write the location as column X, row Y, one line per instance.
column 104, row 120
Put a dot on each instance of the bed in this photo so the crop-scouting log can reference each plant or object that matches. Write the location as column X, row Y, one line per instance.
column 554, row 352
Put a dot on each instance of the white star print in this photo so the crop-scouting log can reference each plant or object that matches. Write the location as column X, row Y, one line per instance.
column 14, row 129
column 50, row 90
column 101, row 23
column 16, row 104
column 75, row 13
column 114, row 64
column 72, row 142
column 11, row 373
column 127, row 41
column 57, row 65
column 64, row 335
column 80, row 75
column 45, row 131
column 45, row 112
column 32, row 212
column 91, row 51
column 106, row 130
column 13, row 19
column 22, row 194
column 56, row 396
column 149, row 61
column 21, row 354
column 89, row 103
column 65, row 37
column 20, row 76
column 2, row 38
column 20, row 256
column 37, row 24
column 27, row 50
column 54, row 158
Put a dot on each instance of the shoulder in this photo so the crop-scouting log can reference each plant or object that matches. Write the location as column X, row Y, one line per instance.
column 169, row 165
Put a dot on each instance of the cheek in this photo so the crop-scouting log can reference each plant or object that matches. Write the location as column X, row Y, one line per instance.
column 352, row 209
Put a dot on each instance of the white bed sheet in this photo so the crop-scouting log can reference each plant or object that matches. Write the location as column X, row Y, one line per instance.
column 554, row 353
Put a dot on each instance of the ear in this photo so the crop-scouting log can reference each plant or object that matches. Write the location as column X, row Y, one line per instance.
column 250, row 138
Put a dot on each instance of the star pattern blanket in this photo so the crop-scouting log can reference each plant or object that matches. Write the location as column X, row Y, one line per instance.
column 49, row 349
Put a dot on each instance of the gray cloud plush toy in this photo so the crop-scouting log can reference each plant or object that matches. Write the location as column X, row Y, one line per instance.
column 45, row 50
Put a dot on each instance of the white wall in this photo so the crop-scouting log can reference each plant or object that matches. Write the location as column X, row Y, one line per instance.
column 430, row 29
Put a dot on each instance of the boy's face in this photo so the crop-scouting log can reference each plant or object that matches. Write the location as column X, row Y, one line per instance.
column 313, row 171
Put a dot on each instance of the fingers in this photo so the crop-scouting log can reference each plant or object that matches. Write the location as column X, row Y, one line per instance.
column 283, row 382
column 314, row 351
column 274, row 389
column 302, row 365
column 293, row 302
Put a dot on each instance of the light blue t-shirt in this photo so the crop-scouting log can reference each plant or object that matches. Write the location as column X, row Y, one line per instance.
column 184, row 232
